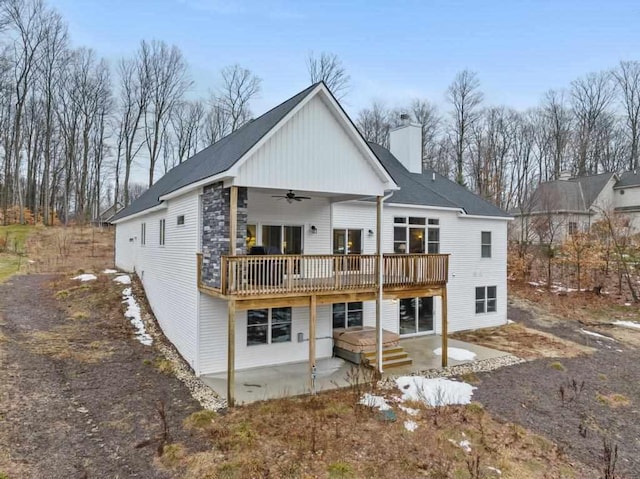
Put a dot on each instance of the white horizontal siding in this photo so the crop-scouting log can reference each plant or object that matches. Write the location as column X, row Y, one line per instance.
column 460, row 237
column 263, row 209
column 168, row 272
column 213, row 338
column 312, row 152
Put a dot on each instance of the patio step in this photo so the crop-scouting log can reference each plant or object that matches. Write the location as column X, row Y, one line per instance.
column 391, row 357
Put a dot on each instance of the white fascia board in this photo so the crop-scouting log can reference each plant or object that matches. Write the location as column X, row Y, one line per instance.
column 481, row 217
column 382, row 173
column 425, row 207
column 196, row 185
column 160, row 207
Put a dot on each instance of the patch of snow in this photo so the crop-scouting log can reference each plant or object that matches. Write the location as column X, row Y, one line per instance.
column 627, row 324
column 434, row 392
column 124, row 279
column 596, row 335
column 457, row 354
column 534, row 283
column 133, row 315
column 110, row 271
column 540, row 290
column 466, row 445
column 30, row 261
column 495, row 469
column 371, row 400
column 86, row 277
column 408, row 410
column 510, row 321
column 627, row 304
column 410, row 426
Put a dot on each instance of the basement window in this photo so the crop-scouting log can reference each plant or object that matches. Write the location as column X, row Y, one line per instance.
column 486, row 301
column 267, row 326
column 180, row 220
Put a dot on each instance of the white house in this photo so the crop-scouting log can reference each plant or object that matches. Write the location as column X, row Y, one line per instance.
column 562, row 207
column 302, row 187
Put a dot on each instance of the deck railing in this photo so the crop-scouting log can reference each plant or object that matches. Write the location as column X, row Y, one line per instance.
column 255, row 275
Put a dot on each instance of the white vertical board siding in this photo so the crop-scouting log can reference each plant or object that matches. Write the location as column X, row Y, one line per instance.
column 213, row 338
column 312, row 151
column 461, row 238
column 168, row 273
column 263, row 209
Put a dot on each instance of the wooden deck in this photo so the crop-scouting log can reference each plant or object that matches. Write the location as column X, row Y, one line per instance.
column 272, row 276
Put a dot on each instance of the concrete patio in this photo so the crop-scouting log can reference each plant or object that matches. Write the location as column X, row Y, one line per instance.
column 292, row 379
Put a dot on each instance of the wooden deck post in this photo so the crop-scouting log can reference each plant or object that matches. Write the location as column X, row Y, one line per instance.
column 312, row 339
column 445, row 327
column 379, row 279
column 231, row 354
column 233, row 220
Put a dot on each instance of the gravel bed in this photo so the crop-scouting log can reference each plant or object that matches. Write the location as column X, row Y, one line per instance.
column 482, row 366
column 206, row 396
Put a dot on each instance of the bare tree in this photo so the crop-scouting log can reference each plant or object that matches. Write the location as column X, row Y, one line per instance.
column 329, row 69
column 186, row 120
column 374, row 124
column 239, row 87
column 134, row 96
column 557, row 122
column 591, row 95
column 627, row 77
column 166, row 71
column 465, row 98
column 28, row 20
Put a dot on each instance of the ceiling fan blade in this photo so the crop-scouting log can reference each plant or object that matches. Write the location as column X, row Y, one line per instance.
column 304, row 197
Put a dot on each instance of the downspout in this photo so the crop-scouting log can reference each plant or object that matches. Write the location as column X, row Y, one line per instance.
column 380, row 201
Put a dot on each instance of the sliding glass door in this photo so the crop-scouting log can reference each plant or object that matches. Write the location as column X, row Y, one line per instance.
column 416, row 315
column 282, row 239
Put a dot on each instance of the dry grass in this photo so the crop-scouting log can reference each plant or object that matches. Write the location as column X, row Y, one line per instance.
column 330, row 435
column 77, row 339
column 73, row 248
column 614, row 400
column 523, row 342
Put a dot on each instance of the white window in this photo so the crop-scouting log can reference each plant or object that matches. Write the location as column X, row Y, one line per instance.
column 486, row 244
column 143, row 234
column 486, row 301
column 268, row 326
column 411, row 235
column 162, row 231
column 347, row 241
column 347, row 315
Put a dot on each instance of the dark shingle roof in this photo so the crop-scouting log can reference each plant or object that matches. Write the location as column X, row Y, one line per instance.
column 575, row 194
column 421, row 189
column 628, row 178
column 214, row 159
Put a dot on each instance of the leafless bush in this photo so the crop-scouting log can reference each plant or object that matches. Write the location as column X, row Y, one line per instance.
column 570, row 391
column 609, row 460
column 473, row 466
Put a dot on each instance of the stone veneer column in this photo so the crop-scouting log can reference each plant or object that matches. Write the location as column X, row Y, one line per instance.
column 215, row 229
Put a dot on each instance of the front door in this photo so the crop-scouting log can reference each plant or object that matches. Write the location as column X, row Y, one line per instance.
column 416, row 316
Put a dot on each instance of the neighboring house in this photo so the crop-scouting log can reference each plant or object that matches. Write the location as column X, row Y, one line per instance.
column 301, row 180
column 104, row 218
column 560, row 208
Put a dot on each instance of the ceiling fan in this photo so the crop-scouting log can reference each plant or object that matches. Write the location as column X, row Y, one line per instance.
column 291, row 197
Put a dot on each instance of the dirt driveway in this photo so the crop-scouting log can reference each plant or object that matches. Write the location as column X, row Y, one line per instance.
column 576, row 402
column 77, row 392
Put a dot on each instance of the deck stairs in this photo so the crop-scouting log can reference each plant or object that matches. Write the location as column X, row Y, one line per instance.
column 392, row 357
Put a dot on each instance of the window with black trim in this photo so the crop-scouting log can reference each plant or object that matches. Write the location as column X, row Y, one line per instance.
column 162, row 232
column 573, row 227
column 347, row 315
column 180, row 220
column 143, row 234
column 486, row 299
column 268, row 326
column 486, row 244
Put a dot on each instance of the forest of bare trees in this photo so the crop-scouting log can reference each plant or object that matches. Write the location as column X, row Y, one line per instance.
column 74, row 126
column 592, row 126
